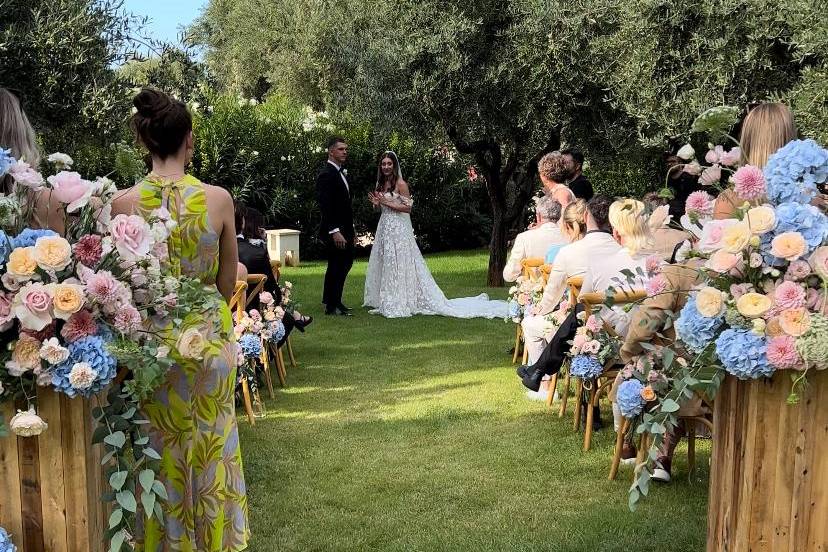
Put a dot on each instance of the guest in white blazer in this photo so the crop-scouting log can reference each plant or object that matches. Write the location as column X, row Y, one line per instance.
column 536, row 241
column 574, row 259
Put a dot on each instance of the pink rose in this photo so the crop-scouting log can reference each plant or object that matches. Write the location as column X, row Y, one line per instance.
column 26, row 176
column 266, row 298
column 712, row 233
column 132, row 236
column 782, row 352
column 70, row 189
column 579, row 341
column 731, row 158
column 798, row 270
column 33, row 306
column 819, row 261
column 711, row 175
column 593, row 324
column 749, row 182
column 256, row 315
column 737, row 290
column 6, row 312
column 591, row 347
column 789, row 295
column 722, row 262
column 715, row 155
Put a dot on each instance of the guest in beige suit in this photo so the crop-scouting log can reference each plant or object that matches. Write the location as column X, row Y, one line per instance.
column 535, row 242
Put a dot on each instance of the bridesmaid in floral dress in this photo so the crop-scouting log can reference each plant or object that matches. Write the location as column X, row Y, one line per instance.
column 192, row 415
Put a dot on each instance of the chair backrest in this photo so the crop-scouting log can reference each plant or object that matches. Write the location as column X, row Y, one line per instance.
column 574, row 283
column 530, row 264
column 238, row 300
column 255, row 285
column 275, row 267
column 624, row 297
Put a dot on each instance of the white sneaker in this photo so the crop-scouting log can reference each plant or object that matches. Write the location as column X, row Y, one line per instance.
column 661, row 475
column 536, row 395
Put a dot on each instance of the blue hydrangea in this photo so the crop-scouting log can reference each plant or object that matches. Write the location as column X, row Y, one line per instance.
column 585, row 367
column 6, row 544
column 695, row 330
column 91, row 350
column 251, row 345
column 629, row 398
column 514, row 309
column 277, row 329
column 796, row 217
column 793, row 172
column 29, row 236
column 744, row 354
column 6, row 246
column 6, row 161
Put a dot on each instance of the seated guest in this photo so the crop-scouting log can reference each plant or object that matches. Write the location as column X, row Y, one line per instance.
column 241, row 273
column 665, row 239
column 254, row 256
column 578, row 183
column 572, row 260
column 648, row 325
column 536, row 241
column 554, row 169
column 572, row 226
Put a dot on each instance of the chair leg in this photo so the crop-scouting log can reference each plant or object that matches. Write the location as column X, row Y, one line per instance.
column 525, row 354
column 518, row 335
column 290, row 353
column 579, row 399
column 619, row 446
column 564, row 396
column 266, row 366
column 691, row 446
column 280, row 367
column 643, row 451
column 248, row 404
column 593, row 401
column 550, row 393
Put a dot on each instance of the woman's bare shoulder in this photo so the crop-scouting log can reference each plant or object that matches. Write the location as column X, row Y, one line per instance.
column 402, row 187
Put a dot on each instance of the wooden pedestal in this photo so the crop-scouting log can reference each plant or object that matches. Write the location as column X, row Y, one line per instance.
column 769, row 472
column 51, row 485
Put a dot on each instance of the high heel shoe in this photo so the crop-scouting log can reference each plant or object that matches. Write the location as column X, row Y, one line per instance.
column 303, row 323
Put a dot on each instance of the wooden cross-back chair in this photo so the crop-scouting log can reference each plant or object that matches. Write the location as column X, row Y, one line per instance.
column 276, row 268
column 237, row 304
column 574, row 285
column 590, row 301
column 528, row 267
column 255, row 286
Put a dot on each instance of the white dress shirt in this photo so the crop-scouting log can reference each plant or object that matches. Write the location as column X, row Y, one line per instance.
column 532, row 243
column 347, row 187
column 574, row 260
column 601, row 276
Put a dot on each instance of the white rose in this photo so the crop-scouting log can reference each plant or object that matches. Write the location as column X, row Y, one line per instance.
column 27, row 424
column 686, row 152
column 60, row 159
column 191, row 344
column 82, row 375
column 761, row 219
column 52, row 352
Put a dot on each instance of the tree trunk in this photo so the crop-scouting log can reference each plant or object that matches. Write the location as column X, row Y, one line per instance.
column 497, row 247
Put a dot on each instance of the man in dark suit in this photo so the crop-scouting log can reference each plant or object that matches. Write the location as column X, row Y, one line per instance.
column 337, row 230
column 578, row 183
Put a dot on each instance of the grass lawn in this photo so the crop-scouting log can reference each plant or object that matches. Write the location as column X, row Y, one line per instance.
column 415, row 434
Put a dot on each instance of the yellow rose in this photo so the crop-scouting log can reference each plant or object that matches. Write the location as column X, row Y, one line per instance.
column 795, row 322
column 753, row 305
column 736, row 238
column 789, row 246
column 761, row 219
column 709, row 302
column 648, row 394
column 67, row 300
column 22, row 264
column 52, row 253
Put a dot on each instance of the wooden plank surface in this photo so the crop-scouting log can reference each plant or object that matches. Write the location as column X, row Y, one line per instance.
column 11, row 508
column 52, row 488
column 73, row 428
column 98, row 516
column 29, row 458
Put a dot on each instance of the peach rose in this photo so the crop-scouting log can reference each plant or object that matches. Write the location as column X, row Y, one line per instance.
column 67, row 300
column 761, row 219
column 648, row 394
column 789, row 246
column 52, row 253
column 819, row 262
column 773, row 328
column 22, row 264
column 709, row 302
column 795, row 322
column 753, row 305
column 722, row 262
column 735, row 238
column 26, row 353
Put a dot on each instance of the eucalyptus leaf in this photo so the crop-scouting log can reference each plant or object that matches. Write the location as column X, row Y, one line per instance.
column 117, row 479
column 669, row 405
column 116, row 439
column 159, row 489
column 146, row 478
column 117, row 541
column 148, row 502
column 127, row 501
column 150, row 452
column 116, row 517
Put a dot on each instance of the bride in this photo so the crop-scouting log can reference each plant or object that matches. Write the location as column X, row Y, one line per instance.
column 398, row 283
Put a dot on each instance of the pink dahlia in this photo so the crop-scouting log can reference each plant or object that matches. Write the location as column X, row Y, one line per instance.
column 81, row 324
column 653, row 264
column 88, row 250
column 782, row 352
column 789, row 295
column 749, row 182
column 699, row 203
column 656, row 285
column 127, row 320
column 103, row 287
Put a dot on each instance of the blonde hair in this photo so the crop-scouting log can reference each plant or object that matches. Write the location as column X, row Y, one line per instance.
column 767, row 127
column 573, row 220
column 629, row 219
column 16, row 133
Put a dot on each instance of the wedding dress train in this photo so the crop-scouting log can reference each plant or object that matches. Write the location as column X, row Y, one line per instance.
column 399, row 284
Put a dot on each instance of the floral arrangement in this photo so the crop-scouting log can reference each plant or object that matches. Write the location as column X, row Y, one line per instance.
column 646, row 382
column 591, row 348
column 523, row 296
column 80, row 310
column 256, row 330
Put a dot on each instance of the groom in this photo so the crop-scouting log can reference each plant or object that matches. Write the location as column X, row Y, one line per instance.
column 337, row 231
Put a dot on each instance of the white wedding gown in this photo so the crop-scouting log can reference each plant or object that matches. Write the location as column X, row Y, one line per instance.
column 399, row 284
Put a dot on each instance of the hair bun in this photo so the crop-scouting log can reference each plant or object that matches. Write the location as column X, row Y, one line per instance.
column 149, row 102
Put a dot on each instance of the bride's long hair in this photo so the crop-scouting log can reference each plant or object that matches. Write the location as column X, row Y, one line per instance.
column 393, row 178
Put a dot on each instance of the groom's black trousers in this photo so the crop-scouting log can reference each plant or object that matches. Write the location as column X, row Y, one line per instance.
column 553, row 356
column 339, row 264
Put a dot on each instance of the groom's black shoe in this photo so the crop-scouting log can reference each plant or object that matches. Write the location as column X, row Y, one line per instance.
column 342, row 307
column 338, row 311
column 532, row 380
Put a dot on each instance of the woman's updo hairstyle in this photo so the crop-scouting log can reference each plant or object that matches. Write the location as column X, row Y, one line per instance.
column 160, row 123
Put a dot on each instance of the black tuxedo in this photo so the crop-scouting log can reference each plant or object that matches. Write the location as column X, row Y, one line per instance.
column 581, row 187
column 257, row 261
column 334, row 199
